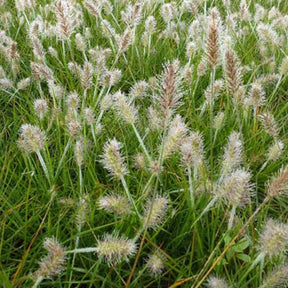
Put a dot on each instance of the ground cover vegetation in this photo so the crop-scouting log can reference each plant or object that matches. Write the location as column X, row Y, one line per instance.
column 144, row 143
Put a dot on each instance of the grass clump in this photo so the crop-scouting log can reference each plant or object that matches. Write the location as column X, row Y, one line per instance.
column 144, row 143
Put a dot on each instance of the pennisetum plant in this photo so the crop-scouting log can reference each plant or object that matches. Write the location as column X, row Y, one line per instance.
column 201, row 86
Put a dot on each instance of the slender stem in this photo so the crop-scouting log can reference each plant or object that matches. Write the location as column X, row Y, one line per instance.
column 232, row 215
column 38, row 281
column 43, row 164
column 63, row 156
column 191, row 190
column 82, row 250
column 80, row 180
column 77, row 240
column 149, row 45
column 211, row 106
column 123, row 181
column 93, row 133
column 142, row 144
column 99, row 118
column 207, row 208
column 146, row 188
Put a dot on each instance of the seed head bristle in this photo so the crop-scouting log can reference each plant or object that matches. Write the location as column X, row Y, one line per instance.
column 278, row 185
column 114, row 249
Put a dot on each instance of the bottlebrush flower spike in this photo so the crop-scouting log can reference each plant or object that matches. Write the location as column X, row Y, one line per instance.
column 155, row 211
column 155, row 264
column 138, row 90
column 112, row 159
column 79, row 153
column 114, row 249
column 275, row 151
column 176, row 133
column 233, row 154
column 256, row 96
column 170, row 89
column 236, row 188
column 31, row 138
column 213, row 38
column 278, row 185
column 215, row 282
column 66, row 19
column 126, row 110
column 273, row 238
column 192, row 150
column 113, row 203
column 54, row 263
column 269, row 124
column 277, row 278
column 233, row 74
column 40, row 108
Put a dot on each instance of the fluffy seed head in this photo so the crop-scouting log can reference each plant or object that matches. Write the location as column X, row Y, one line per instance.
column 83, row 210
column 125, row 41
column 54, row 263
column 55, row 91
column 74, row 126
column 273, row 238
column 201, row 68
column 269, row 124
column 154, row 119
column 40, row 107
column 267, row 34
column 277, row 278
column 41, row 72
column 5, row 83
column 115, row 204
column 23, row 84
column 89, row 115
column 126, row 110
column 111, row 78
column 86, row 75
column 155, row 211
column 212, row 91
column 279, row 184
column 218, row 120
column 233, row 74
column 112, row 159
column 170, row 89
column 155, row 264
column 190, row 49
column 233, row 154
column 107, row 102
column 176, row 133
column 72, row 101
column 66, row 19
column 150, row 24
column 256, row 96
column 114, row 249
column 31, row 138
column 80, row 41
column 168, row 12
column 138, row 90
column 79, row 153
column 53, row 52
column 215, row 282
column 192, row 150
column 283, row 69
column 236, row 188
column 275, row 151
column 212, row 45
column 140, row 161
